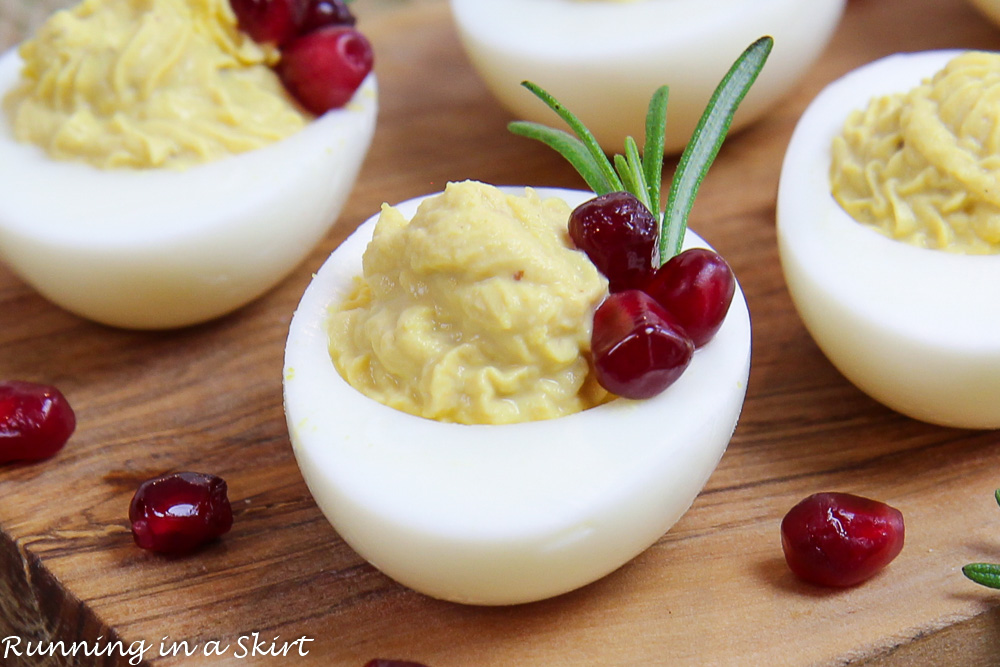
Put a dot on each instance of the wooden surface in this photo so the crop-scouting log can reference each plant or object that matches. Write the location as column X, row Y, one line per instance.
column 715, row 590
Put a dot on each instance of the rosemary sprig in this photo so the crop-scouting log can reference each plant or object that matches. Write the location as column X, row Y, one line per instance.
column 707, row 140
column 585, row 145
column 987, row 574
column 573, row 150
column 643, row 176
column 656, row 128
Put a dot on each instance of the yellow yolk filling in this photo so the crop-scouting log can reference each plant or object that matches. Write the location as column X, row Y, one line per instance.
column 148, row 83
column 924, row 167
column 477, row 311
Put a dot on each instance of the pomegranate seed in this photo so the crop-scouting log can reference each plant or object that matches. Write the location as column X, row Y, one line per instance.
column 696, row 287
column 320, row 13
column 638, row 349
column 379, row 662
column 36, row 420
column 839, row 539
column 268, row 21
column 618, row 233
column 324, row 68
column 178, row 513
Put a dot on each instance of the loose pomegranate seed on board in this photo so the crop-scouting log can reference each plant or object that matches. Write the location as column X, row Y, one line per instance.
column 618, row 234
column 324, row 68
column 840, row 539
column 178, row 513
column 36, row 421
column 696, row 287
column 637, row 347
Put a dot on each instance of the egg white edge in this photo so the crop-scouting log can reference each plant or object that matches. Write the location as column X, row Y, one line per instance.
column 149, row 207
column 503, row 514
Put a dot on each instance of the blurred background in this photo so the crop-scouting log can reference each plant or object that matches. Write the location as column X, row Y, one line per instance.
column 19, row 18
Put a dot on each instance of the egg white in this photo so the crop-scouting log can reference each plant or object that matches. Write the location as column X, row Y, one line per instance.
column 506, row 514
column 603, row 60
column 161, row 248
column 916, row 329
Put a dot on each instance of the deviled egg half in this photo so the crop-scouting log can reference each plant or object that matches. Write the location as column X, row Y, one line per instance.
column 914, row 327
column 162, row 247
column 606, row 58
column 511, row 513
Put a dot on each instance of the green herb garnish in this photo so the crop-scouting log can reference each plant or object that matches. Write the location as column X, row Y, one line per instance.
column 987, row 574
column 642, row 176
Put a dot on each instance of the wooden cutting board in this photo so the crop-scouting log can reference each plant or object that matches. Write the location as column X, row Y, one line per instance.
column 714, row 590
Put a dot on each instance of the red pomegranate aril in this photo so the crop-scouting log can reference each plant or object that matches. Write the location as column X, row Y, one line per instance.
column 697, row 287
column 638, row 350
column 178, row 513
column 36, row 421
column 268, row 21
column 323, row 69
column 321, row 13
column 618, row 233
column 840, row 539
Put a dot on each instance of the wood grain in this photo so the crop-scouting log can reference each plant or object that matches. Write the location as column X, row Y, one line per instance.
column 714, row 590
